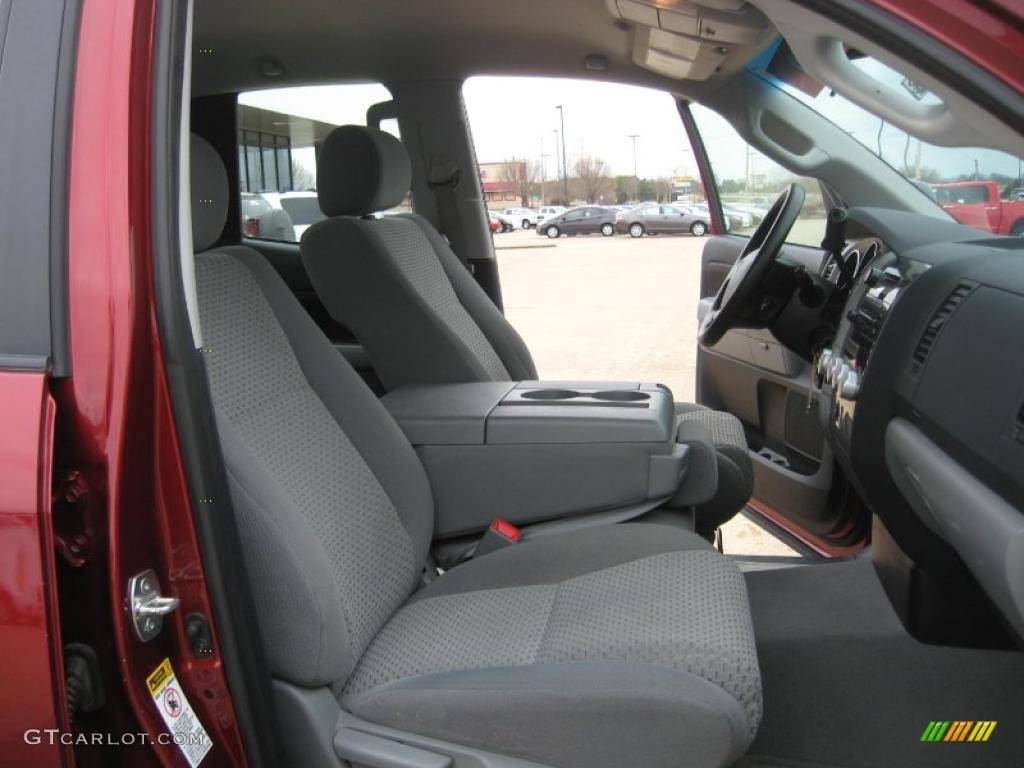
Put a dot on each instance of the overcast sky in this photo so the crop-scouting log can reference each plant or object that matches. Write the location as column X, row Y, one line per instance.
column 517, row 117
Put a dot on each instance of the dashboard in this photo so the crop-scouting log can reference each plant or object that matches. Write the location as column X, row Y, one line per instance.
column 924, row 385
column 880, row 276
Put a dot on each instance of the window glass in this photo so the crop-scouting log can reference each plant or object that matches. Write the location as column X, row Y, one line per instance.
column 749, row 181
column 976, row 186
column 280, row 134
column 624, row 147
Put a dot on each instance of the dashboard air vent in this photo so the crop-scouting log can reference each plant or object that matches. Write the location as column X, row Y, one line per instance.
column 935, row 325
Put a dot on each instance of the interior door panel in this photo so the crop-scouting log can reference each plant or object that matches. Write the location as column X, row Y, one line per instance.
column 750, row 374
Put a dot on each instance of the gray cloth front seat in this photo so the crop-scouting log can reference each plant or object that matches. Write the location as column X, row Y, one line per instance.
column 620, row 645
column 421, row 317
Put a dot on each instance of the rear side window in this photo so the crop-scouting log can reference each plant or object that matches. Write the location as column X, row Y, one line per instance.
column 280, row 133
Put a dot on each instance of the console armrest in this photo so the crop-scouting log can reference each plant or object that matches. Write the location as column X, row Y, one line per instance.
column 701, row 482
column 534, row 451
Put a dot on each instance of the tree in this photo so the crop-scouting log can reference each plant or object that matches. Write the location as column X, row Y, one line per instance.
column 593, row 177
column 302, row 177
column 521, row 175
column 626, row 188
column 645, row 190
column 663, row 189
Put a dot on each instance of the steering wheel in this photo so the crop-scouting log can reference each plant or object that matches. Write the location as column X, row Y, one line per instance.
column 740, row 286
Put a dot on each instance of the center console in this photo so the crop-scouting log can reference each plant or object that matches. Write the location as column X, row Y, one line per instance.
column 843, row 367
column 533, row 451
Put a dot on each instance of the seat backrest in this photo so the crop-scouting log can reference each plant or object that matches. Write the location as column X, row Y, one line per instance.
column 393, row 281
column 334, row 507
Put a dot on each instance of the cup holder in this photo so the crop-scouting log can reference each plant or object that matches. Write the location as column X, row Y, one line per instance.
column 551, row 394
column 621, row 396
column 607, row 396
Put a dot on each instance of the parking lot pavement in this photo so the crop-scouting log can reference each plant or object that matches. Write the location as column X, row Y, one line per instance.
column 614, row 308
column 605, row 308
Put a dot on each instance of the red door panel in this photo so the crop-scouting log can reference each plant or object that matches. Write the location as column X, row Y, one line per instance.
column 31, row 667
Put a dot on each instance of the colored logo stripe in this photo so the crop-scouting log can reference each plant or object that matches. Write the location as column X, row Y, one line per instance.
column 958, row 730
column 982, row 730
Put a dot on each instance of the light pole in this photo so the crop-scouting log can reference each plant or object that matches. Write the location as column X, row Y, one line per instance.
column 558, row 165
column 634, row 137
column 565, row 170
column 543, row 169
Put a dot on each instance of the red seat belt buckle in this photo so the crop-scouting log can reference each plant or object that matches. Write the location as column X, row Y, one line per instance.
column 506, row 530
column 500, row 534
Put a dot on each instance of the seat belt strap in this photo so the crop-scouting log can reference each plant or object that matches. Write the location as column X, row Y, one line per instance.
column 443, row 180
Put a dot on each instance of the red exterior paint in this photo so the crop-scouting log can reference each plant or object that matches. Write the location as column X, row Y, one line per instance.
column 112, row 420
column 815, row 544
column 989, row 34
column 116, row 424
column 986, row 211
column 31, row 668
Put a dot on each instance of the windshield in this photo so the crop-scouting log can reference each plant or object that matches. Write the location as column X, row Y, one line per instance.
column 958, row 179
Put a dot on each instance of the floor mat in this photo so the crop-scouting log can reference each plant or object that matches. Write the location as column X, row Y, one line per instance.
column 845, row 685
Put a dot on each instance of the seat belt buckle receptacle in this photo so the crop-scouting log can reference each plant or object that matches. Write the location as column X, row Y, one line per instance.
column 499, row 535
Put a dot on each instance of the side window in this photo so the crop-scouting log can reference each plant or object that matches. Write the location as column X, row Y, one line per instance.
column 590, row 164
column 280, row 133
column 749, row 181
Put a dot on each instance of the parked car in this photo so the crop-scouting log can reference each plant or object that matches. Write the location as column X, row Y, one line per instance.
column 302, row 208
column 739, row 219
column 503, row 224
column 589, row 219
column 521, row 217
column 655, row 219
column 978, row 204
column 757, row 212
column 548, row 211
column 261, row 218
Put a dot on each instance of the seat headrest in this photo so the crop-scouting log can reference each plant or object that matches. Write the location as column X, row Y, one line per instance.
column 209, row 194
column 361, row 171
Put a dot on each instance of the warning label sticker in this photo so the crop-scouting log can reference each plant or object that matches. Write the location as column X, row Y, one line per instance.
column 186, row 730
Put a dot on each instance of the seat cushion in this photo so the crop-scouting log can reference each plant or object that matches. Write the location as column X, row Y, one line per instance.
column 575, row 649
column 735, row 469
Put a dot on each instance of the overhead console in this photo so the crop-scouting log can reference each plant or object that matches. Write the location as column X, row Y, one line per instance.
column 533, row 451
column 681, row 39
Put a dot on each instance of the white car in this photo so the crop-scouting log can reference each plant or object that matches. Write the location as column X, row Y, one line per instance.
column 547, row 211
column 302, row 208
column 265, row 219
column 522, row 218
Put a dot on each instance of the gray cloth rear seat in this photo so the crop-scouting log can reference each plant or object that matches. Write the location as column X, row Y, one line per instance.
column 421, row 317
column 621, row 645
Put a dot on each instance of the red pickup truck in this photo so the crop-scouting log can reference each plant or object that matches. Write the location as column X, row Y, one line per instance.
column 978, row 204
